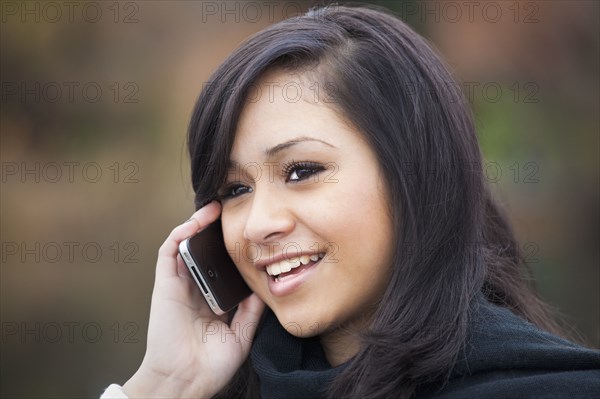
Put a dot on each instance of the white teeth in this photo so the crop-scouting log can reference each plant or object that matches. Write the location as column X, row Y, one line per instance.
column 274, row 269
column 286, row 265
column 294, row 262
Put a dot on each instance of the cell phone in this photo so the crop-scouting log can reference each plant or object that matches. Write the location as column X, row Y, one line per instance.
column 213, row 269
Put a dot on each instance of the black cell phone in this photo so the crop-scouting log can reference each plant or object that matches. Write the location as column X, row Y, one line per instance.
column 213, row 269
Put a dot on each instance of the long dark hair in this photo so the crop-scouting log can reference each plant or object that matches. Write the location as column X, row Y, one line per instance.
column 453, row 241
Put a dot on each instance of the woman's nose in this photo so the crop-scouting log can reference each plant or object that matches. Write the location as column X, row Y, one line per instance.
column 269, row 218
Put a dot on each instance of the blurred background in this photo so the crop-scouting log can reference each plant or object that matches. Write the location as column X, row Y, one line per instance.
column 95, row 102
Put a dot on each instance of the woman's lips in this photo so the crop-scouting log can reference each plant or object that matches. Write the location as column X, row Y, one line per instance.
column 286, row 264
column 295, row 270
column 286, row 283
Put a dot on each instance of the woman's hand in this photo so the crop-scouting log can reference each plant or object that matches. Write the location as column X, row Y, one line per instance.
column 191, row 352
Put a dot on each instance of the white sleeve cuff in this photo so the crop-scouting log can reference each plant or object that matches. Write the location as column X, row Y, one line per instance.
column 114, row 391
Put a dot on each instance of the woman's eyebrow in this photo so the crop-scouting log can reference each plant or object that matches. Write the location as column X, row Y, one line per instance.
column 271, row 152
column 279, row 147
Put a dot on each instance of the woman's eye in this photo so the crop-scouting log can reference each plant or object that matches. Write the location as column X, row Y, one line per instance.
column 298, row 171
column 235, row 190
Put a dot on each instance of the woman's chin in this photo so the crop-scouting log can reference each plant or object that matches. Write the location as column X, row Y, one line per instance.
column 300, row 324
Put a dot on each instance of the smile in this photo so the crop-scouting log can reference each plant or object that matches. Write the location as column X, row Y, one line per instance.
column 283, row 267
column 286, row 275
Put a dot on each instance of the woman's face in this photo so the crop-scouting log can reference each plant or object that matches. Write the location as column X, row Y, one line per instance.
column 304, row 184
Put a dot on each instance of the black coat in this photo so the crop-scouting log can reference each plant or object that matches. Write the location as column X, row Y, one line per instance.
column 505, row 357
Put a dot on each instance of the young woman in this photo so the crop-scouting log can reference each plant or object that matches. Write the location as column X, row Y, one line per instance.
column 339, row 134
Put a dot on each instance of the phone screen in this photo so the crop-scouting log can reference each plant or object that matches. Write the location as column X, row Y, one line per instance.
column 213, row 269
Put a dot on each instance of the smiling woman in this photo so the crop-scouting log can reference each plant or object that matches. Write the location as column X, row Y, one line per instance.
column 326, row 196
column 380, row 265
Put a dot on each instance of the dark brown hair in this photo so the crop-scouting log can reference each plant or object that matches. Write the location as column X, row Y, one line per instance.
column 454, row 241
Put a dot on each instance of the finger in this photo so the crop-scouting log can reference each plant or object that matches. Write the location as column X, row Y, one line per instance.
column 199, row 220
column 166, row 265
column 247, row 317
